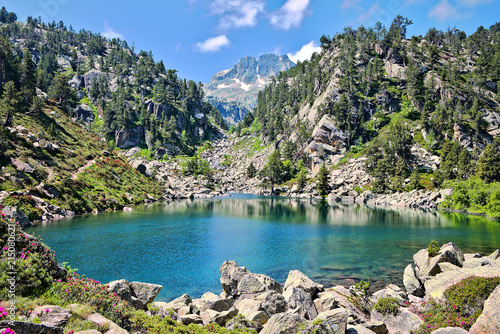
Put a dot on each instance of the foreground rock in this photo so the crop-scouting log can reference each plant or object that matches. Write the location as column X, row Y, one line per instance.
column 138, row 294
column 30, row 328
column 489, row 320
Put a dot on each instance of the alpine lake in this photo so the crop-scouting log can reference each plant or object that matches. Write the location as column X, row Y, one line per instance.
column 181, row 245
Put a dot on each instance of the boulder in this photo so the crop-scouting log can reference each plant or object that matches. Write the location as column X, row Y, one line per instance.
column 335, row 320
column 412, row 285
column 30, row 328
column 99, row 320
column 220, row 318
column 489, row 320
column 390, row 291
column 301, row 300
column 283, row 323
column 325, row 301
column 404, row 322
column 494, row 255
column 89, row 331
column 358, row 329
column 17, row 215
column 342, row 296
column 252, row 285
column 272, row 302
column 84, row 113
column 145, row 292
column 435, row 287
column 51, row 315
column 213, row 302
column 23, row 166
column 175, row 304
column 190, row 319
column 121, row 288
column 377, row 327
column 428, row 266
column 298, row 280
column 231, row 275
column 248, row 306
column 451, row 330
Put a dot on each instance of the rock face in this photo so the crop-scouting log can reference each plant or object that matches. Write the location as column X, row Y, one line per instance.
column 489, row 320
column 145, row 292
column 327, row 141
column 99, row 320
column 255, row 284
column 129, row 137
column 17, row 215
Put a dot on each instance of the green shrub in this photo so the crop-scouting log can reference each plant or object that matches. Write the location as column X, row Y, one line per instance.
column 464, row 304
column 433, row 248
column 387, row 306
column 26, row 203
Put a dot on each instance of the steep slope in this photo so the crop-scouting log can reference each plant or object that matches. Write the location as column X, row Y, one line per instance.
column 427, row 104
column 234, row 91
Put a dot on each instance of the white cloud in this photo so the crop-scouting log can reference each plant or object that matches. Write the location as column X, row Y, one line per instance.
column 473, row 3
column 290, row 15
column 213, row 44
column 110, row 33
column 443, row 10
column 368, row 15
column 237, row 13
column 348, row 4
column 304, row 53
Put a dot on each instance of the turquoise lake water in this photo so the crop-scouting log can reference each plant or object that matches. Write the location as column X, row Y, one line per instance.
column 182, row 244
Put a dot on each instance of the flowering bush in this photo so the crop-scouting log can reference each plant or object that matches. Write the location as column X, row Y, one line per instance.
column 88, row 291
column 464, row 304
column 26, row 203
column 34, row 263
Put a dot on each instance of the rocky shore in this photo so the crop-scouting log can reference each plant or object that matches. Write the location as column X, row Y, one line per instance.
column 258, row 302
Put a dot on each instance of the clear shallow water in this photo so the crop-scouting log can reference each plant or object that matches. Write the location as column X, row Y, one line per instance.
column 182, row 244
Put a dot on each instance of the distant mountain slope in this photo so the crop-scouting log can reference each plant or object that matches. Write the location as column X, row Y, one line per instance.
column 241, row 84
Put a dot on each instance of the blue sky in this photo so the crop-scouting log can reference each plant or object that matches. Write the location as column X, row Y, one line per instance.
column 202, row 37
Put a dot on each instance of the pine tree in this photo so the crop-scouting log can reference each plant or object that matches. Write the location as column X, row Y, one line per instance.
column 415, row 179
column 251, row 170
column 10, row 101
column 488, row 166
column 302, row 179
column 323, row 181
column 28, row 80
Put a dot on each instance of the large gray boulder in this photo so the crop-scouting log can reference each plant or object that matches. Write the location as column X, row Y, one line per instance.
column 272, row 302
column 301, row 300
column 283, row 323
column 335, row 320
column 145, row 292
column 99, row 320
column 51, row 315
column 30, row 328
column 412, row 285
column 220, row 318
column 325, row 301
column 428, row 266
column 213, row 302
column 175, row 304
column 390, row 291
column 404, row 322
column 299, row 280
column 252, row 285
column 435, row 287
column 489, row 320
column 121, row 288
column 230, row 277
column 17, row 215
